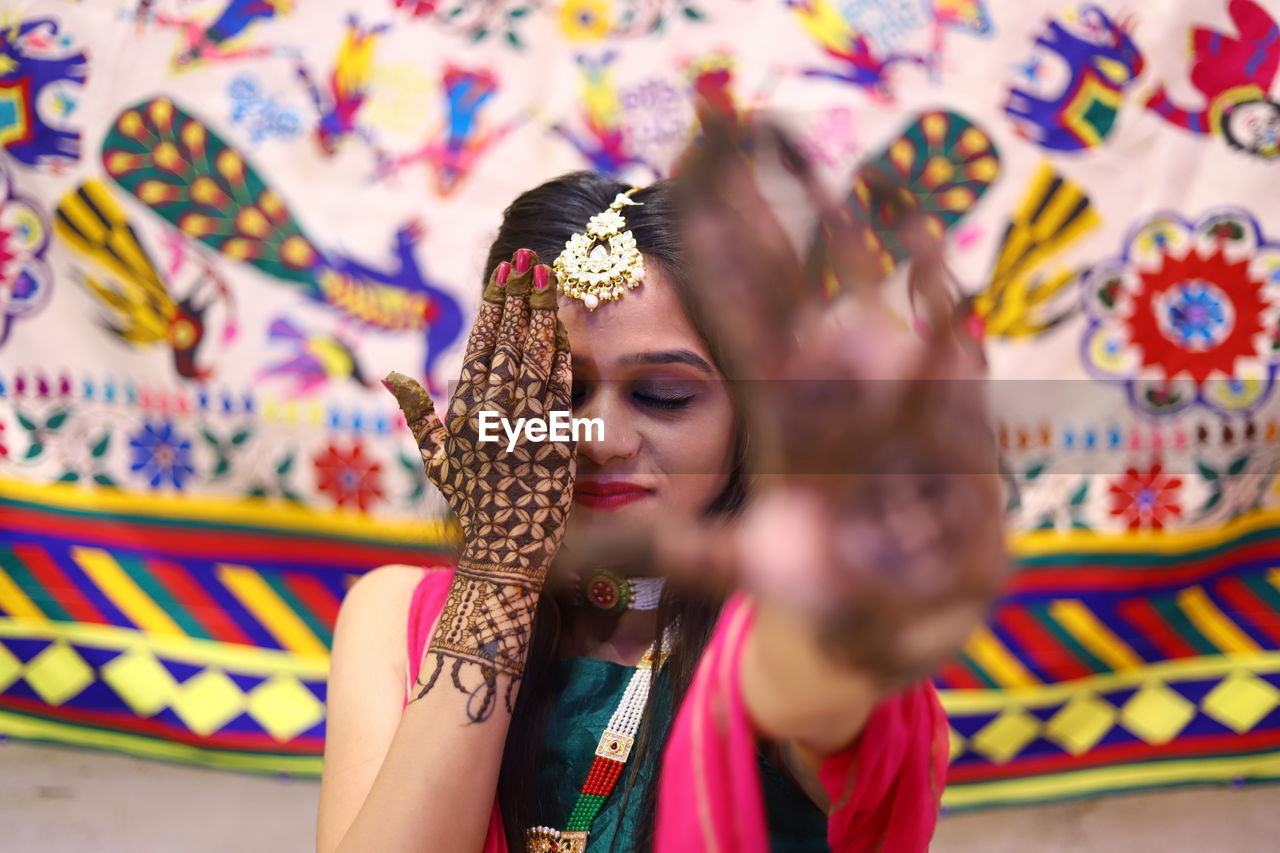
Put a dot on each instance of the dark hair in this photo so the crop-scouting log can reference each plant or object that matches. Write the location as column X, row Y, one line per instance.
column 543, row 219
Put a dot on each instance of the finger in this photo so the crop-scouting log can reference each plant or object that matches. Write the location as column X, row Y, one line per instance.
column 419, row 413
column 949, row 364
column 699, row 555
column 844, row 253
column 927, row 285
column 750, row 279
column 848, row 259
column 508, row 350
column 480, row 346
column 539, row 345
column 560, row 384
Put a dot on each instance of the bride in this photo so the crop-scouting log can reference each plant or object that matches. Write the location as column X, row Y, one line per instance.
column 711, row 627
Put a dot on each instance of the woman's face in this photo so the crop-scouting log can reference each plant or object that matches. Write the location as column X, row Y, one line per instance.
column 641, row 368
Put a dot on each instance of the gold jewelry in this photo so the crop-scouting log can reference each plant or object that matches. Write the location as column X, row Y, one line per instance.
column 609, row 591
column 603, row 263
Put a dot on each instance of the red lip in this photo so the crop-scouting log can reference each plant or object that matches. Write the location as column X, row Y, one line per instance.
column 608, row 495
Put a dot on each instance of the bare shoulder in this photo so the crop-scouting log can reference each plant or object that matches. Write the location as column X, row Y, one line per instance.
column 374, row 617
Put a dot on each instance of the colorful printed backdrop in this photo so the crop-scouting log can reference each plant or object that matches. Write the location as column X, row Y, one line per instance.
column 222, row 220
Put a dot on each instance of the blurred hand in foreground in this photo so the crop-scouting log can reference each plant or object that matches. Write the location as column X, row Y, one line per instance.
column 875, row 507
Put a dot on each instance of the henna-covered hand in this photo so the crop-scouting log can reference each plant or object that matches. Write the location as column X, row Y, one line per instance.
column 876, row 513
column 512, row 505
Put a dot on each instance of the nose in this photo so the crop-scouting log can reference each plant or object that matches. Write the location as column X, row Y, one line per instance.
column 620, row 441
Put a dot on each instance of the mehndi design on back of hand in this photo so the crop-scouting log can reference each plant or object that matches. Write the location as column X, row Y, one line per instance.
column 511, row 506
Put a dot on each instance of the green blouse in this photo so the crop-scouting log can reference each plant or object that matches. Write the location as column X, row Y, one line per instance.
column 591, row 691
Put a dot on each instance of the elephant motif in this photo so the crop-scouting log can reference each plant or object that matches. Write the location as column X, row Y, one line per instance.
column 41, row 75
column 1102, row 61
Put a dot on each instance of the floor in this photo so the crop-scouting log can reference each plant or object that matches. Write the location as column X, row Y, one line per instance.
column 56, row 799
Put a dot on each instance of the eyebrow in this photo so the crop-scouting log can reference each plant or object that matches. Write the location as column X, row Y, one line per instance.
column 674, row 356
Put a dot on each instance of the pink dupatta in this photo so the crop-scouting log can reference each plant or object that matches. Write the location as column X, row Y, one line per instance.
column 885, row 788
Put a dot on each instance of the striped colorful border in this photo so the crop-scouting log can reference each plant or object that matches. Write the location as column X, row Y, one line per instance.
column 242, row 591
column 251, row 590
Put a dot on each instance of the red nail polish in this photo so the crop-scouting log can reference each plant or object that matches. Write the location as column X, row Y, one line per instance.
column 540, row 274
column 504, row 270
column 523, row 257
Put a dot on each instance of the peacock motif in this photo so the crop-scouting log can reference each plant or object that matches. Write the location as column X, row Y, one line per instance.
column 187, row 175
column 142, row 309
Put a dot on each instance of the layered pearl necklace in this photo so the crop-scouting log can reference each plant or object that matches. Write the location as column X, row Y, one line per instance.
column 612, row 753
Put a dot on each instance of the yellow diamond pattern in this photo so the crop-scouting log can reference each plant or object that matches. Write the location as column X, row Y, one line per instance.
column 208, row 701
column 58, row 673
column 1006, row 735
column 1240, row 701
column 1156, row 714
column 284, row 707
column 1081, row 723
column 140, row 680
column 956, row 745
column 10, row 668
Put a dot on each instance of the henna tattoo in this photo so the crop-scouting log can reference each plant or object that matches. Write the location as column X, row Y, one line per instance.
column 511, row 505
column 486, row 625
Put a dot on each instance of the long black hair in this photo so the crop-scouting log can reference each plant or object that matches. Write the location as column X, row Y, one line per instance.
column 543, row 219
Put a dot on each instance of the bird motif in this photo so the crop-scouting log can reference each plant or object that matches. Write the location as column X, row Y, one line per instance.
column 142, row 310
column 314, row 359
column 180, row 169
column 338, row 108
column 863, row 65
column 219, row 40
column 453, row 150
column 604, row 145
column 1025, row 296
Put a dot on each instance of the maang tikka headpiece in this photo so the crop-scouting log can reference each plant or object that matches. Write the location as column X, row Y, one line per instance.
column 603, row 263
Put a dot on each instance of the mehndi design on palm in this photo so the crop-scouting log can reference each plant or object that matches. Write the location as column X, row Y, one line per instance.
column 511, row 506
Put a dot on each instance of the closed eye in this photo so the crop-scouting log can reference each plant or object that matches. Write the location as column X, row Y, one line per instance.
column 666, row 402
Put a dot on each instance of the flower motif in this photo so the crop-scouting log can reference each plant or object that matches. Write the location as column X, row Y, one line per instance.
column 1187, row 314
column 585, row 20
column 349, row 476
column 1145, row 499
column 25, row 280
column 161, row 454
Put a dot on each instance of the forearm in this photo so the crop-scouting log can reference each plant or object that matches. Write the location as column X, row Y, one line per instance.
column 437, row 782
column 440, row 773
column 793, row 688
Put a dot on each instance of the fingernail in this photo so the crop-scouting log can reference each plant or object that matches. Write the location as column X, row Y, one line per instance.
column 522, row 260
column 504, row 270
column 540, row 273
